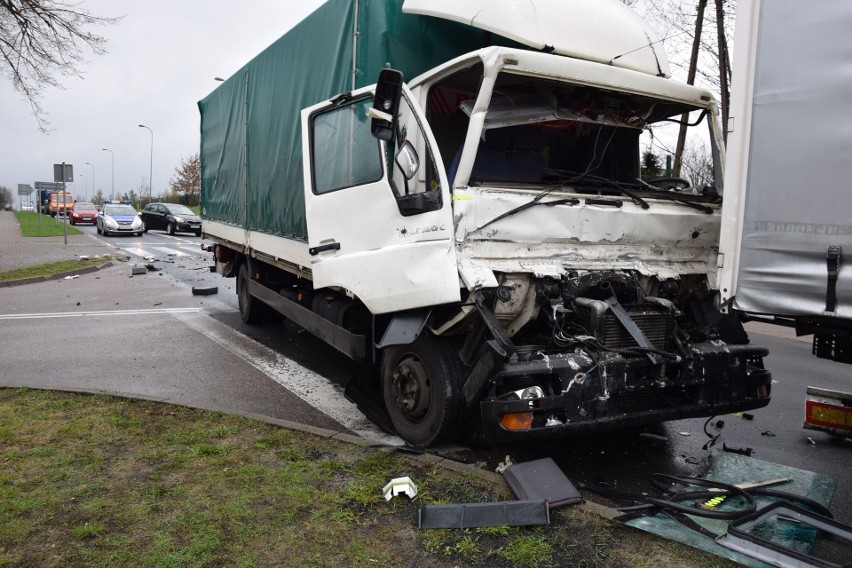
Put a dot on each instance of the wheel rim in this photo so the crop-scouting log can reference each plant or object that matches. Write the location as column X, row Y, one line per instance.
column 412, row 389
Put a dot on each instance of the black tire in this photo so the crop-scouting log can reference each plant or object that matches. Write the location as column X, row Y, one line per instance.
column 251, row 309
column 197, row 233
column 421, row 384
column 170, row 228
column 98, row 228
column 144, row 228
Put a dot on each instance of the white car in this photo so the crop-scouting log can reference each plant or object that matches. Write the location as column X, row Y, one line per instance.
column 116, row 218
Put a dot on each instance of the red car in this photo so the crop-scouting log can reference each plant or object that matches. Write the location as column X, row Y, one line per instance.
column 83, row 212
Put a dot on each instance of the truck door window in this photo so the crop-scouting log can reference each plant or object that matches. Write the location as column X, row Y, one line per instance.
column 422, row 192
column 344, row 153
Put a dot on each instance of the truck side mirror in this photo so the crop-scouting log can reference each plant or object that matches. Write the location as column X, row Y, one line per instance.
column 386, row 104
column 407, row 160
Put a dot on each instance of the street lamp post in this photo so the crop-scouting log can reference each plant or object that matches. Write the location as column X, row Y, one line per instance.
column 151, row 167
column 93, row 179
column 113, row 171
column 85, row 179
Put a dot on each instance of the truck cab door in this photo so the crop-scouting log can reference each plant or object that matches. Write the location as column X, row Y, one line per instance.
column 379, row 213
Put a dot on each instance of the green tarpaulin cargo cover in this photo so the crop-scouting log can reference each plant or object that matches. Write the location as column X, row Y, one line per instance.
column 251, row 140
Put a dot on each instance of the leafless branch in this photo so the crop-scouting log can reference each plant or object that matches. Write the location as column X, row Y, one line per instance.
column 42, row 42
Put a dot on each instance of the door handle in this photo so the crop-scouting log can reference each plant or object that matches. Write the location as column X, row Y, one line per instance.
column 330, row 246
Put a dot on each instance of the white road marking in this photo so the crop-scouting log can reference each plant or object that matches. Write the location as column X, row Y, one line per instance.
column 157, row 251
column 314, row 389
column 171, row 251
column 101, row 313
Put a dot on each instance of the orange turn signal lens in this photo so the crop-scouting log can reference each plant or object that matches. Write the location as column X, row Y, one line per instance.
column 516, row 420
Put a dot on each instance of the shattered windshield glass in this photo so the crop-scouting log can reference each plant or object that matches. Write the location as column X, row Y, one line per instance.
column 539, row 131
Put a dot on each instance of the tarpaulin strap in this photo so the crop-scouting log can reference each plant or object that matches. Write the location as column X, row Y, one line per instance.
column 832, row 265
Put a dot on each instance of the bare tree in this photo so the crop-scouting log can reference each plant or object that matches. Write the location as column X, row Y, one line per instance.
column 42, row 42
column 697, row 165
column 187, row 179
column 5, row 196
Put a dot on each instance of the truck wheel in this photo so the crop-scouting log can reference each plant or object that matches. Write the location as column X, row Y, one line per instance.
column 421, row 383
column 251, row 309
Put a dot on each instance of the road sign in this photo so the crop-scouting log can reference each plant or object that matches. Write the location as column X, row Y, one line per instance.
column 63, row 172
column 51, row 185
column 24, row 189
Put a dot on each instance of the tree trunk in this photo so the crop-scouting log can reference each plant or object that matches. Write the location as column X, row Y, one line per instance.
column 693, row 64
column 723, row 67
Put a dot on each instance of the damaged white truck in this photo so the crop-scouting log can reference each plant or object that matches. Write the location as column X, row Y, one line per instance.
column 482, row 234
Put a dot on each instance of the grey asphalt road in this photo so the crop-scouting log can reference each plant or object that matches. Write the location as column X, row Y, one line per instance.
column 205, row 356
column 148, row 336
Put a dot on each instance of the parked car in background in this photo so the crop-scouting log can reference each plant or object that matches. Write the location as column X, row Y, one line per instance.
column 83, row 212
column 118, row 218
column 27, row 207
column 171, row 217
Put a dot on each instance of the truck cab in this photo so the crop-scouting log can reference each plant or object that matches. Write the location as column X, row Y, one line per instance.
column 508, row 209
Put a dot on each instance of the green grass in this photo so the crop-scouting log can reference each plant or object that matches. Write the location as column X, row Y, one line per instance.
column 101, row 481
column 29, row 222
column 50, row 268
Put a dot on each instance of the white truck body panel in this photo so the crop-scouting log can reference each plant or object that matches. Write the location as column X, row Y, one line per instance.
column 605, row 31
column 788, row 195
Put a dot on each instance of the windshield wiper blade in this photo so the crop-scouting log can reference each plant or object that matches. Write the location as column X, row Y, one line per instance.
column 663, row 194
column 535, row 201
column 570, row 177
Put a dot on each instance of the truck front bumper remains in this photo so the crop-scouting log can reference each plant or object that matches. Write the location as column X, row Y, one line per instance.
column 572, row 393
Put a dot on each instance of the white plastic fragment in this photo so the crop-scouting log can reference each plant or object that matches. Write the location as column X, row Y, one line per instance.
column 685, row 433
column 503, row 465
column 399, row 485
column 71, row 277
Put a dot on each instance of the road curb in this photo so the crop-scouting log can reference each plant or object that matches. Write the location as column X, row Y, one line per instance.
column 57, row 276
column 430, row 460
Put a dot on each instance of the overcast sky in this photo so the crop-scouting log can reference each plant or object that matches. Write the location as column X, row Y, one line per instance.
column 162, row 58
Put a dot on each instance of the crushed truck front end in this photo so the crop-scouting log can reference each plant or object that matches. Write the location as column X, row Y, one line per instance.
column 590, row 282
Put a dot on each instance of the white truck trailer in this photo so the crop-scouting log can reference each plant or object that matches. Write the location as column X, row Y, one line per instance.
column 481, row 235
column 787, row 214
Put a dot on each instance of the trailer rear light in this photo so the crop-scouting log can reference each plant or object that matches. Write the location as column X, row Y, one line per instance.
column 516, row 420
column 830, row 411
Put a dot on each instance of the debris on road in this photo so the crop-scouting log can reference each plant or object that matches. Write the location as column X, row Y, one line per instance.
column 685, row 433
column 768, row 433
column 137, row 270
column 204, row 290
column 654, row 436
column 811, row 441
column 740, row 451
column 71, row 277
column 541, row 479
column 501, row 467
column 399, row 485
column 475, row 515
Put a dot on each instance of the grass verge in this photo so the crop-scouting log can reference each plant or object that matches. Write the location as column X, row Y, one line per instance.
column 30, row 226
column 50, row 268
column 101, row 481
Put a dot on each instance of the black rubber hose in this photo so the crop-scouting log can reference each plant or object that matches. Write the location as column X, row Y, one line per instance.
column 673, row 504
